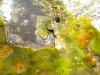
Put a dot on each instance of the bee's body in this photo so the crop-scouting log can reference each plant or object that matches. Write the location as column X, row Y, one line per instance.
column 57, row 16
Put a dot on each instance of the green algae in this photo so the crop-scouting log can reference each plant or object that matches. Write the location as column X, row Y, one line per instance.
column 42, row 55
column 65, row 68
column 3, row 36
column 51, row 60
column 95, row 43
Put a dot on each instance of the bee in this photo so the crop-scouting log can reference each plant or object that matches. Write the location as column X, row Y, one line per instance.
column 58, row 15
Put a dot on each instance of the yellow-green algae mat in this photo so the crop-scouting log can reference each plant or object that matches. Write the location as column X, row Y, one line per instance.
column 49, row 61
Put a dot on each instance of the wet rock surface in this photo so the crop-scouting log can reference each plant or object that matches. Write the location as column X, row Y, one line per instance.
column 22, row 25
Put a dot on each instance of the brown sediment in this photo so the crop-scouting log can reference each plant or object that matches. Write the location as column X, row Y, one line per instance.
column 21, row 66
column 89, row 55
column 84, row 40
column 5, row 51
column 93, row 62
column 90, row 59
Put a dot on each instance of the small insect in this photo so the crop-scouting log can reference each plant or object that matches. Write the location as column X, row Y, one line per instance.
column 58, row 15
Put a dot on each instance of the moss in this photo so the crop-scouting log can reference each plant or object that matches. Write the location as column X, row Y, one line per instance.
column 1, row 19
column 41, row 55
column 45, row 73
column 19, row 54
column 55, row 53
column 45, row 65
column 63, row 66
column 95, row 43
column 1, row 31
